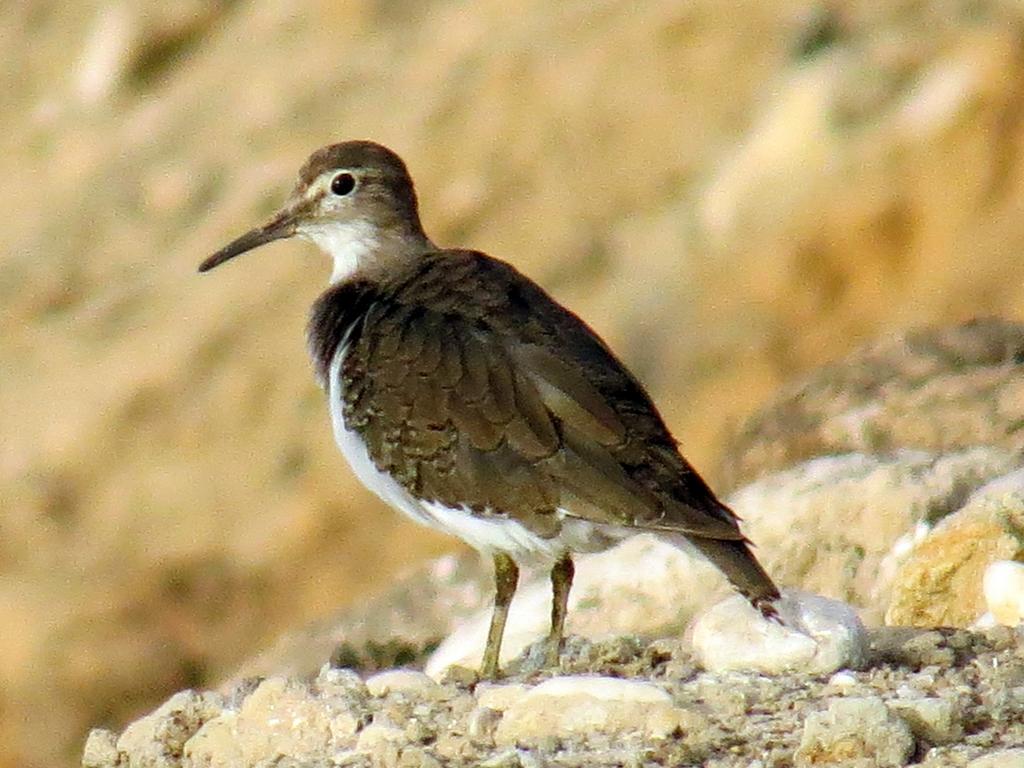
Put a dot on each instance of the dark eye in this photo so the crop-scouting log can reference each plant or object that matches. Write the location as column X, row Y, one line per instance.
column 343, row 183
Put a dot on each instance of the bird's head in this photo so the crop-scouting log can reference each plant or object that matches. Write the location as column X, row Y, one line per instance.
column 355, row 200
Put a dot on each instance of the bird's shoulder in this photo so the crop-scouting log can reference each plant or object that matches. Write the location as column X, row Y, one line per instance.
column 462, row 285
column 489, row 321
column 503, row 305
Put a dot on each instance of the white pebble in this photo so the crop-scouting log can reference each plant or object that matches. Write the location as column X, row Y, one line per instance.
column 1004, row 758
column 568, row 706
column 377, row 736
column 499, row 697
column 602, row 688
column 403, row 681
column 842, row 680
column 1003, row 586
column 817, row 635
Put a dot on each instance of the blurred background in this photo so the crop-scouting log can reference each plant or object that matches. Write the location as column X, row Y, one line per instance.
column 730, row 192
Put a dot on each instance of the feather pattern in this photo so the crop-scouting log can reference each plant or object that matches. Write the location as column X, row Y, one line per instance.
column 474, row 390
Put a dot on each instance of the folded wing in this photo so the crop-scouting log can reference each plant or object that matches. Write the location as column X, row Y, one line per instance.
column 474, row 393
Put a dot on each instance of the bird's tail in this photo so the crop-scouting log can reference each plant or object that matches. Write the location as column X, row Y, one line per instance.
column 737, row 562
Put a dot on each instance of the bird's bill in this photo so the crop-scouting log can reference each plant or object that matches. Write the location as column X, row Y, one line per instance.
column 281, row 226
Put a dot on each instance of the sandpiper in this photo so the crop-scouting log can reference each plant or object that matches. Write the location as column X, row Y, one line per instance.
column 463, row 395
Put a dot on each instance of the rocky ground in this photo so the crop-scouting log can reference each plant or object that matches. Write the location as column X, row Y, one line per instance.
column 929, row 698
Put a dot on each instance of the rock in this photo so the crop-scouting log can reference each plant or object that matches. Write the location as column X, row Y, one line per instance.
column 564, row 707
column 100, row 749
column 941, row 581
column 417, row 757
column 279, row 718
column 1003, row 758
column 934, row 720
column 382, row 739
column 936, row 390
column 831, row 525
column 816, row 635
column 842, row 680
column 408, row 681
column 482, row 723
column 350, row 758
column 601, row 688
column 855, row 732
column 1003, row 585
column 500, row 697
column 341, row 684
column 158, row 740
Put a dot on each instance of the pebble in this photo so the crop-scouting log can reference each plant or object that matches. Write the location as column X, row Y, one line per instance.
column 482, row 722
column 417, row 757
column 579, row 706
column 603, row 688
column 842, row 680
column 855, row 729
column 332, row 681
column 1004, row 758
column 174, row 724
column 378, row 737
column 500, row 697
column 280, row 716
column 1003, row 586
column 817, row 635
column 100, row 749
column 932, row 719
column 403, row 681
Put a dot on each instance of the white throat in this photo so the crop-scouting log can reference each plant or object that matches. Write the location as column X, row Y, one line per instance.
column 349, row 245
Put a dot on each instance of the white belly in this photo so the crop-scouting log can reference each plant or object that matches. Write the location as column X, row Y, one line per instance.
column 487, row 535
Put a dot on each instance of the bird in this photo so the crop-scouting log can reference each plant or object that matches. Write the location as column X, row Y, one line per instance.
column 466, row 397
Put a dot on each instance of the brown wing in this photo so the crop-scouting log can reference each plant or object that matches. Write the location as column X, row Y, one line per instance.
column 474, row 388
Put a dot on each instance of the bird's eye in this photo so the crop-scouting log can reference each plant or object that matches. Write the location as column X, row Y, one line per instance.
column 343, row 183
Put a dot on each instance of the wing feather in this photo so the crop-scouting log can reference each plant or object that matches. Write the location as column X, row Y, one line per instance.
column 487, row 400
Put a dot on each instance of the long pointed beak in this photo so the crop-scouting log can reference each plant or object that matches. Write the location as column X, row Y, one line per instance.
column 281, row 226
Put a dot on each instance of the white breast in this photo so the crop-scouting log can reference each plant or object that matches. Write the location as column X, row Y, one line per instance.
column 483, row 534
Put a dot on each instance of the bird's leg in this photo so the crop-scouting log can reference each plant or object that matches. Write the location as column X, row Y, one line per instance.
column 561, row 582
column 506, row 577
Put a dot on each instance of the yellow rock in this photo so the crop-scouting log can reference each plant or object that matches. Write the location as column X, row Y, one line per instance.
column 941, row 582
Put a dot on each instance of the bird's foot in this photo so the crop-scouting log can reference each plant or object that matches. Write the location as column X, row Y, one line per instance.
column 489, row 669
column 553, row 653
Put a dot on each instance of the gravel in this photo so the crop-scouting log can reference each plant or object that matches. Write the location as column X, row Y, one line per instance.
column 924, row 697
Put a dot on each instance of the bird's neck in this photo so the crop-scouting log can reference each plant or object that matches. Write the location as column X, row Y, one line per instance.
column 359, row 248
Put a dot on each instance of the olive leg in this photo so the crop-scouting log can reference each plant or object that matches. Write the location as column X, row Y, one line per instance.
column 506, row 577
column 561, row 582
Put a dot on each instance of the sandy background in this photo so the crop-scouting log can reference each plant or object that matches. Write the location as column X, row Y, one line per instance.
column 730, row 192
